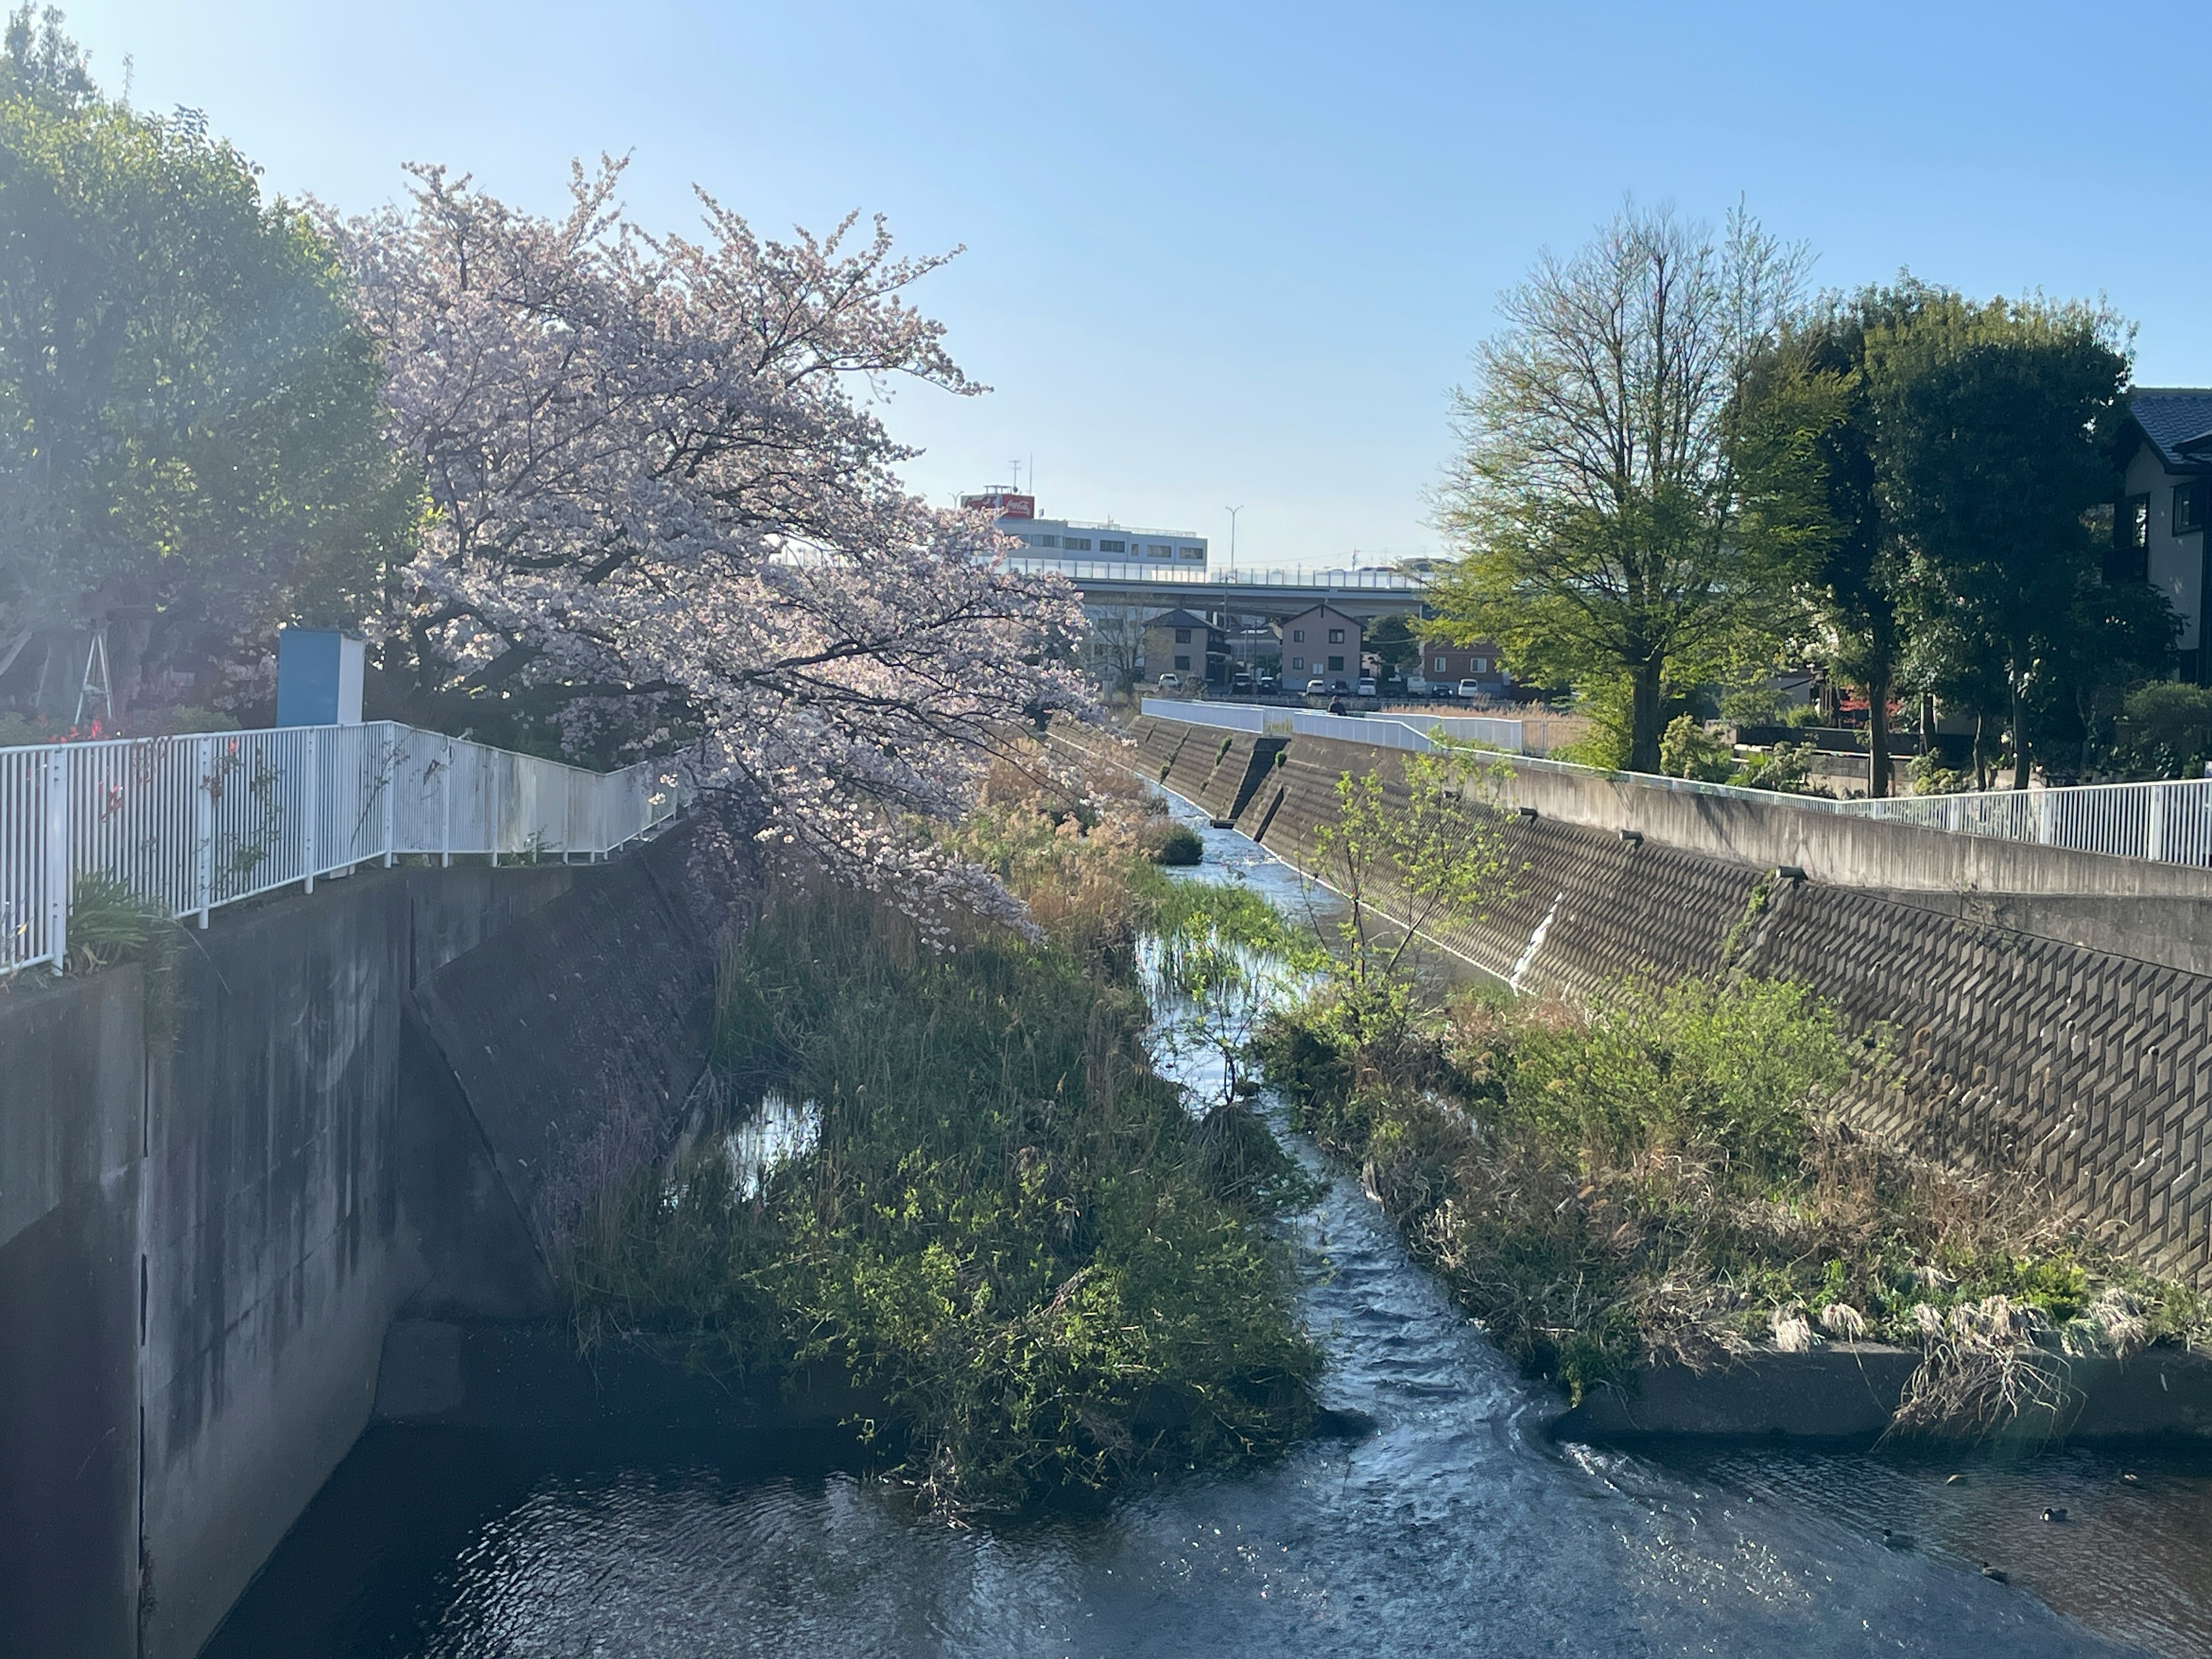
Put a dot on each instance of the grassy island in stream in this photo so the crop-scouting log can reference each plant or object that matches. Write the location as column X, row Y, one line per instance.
column 1010, row 1234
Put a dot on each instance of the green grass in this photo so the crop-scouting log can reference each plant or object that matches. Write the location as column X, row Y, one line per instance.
column 1012, row 1241
column 1660, row 1175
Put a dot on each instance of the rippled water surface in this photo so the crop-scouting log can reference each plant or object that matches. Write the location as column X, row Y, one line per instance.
column 1454, row 1528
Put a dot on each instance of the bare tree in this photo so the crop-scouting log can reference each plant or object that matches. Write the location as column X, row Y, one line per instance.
column 1594, row 500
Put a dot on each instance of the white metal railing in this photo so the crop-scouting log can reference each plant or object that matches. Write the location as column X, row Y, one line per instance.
column 189, row 823
column 1081, row 570
column 1392, row 731
column 2167, row 821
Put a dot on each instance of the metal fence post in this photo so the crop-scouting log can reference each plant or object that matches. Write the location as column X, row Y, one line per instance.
column 390, row 786
column 2155, row 831
column 58, row 855
column 313, row 816
column 204, row 813
column 445, row 810
column 492, row 837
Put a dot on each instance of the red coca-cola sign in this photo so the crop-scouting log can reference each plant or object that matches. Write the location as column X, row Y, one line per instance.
column 1003, row 504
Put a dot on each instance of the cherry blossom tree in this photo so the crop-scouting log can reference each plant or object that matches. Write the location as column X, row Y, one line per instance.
column 665, row 514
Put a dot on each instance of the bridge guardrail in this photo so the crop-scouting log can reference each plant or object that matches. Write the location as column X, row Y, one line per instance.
column 2163, row 822
column 1396, row 730
column 189, row 823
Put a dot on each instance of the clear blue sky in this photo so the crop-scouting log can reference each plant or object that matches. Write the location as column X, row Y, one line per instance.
column 1237, row 254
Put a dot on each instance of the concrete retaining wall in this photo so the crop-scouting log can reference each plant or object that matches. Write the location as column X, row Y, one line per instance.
column 210, row 1218
column 2055, row 1029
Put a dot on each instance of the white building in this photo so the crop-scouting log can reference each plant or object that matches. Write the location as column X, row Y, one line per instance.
column 2158, row 528
column 1072, row 541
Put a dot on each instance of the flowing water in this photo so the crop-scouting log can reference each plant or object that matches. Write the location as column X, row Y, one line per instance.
column 1455, row 1527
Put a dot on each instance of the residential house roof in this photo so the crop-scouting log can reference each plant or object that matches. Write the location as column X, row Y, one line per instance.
column 1178, row 619
column 2178, row 421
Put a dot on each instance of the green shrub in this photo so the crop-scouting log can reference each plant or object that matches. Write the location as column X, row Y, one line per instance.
column 1011, row 1240
column 1787, row 768
column 2166, row 727
column 1169, row 843
column 1687, row 750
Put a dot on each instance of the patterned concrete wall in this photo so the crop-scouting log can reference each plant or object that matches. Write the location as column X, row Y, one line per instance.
column 2088, row 1069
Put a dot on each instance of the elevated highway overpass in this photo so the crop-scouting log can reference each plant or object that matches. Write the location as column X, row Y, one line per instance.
column 1242, row 592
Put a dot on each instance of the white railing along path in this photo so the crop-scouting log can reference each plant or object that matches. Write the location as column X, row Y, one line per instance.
column 190, row 823
column 2167, row 821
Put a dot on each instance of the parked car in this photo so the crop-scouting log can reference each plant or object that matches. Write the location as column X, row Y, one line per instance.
column 1171, row 682
column 1241, row 682
column 1316, row 688
column 1367, row 688
column 1470, row 688
column 1267, row 683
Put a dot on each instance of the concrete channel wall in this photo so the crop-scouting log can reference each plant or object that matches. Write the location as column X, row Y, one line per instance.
column 2051, row 1008
column 218, row 1189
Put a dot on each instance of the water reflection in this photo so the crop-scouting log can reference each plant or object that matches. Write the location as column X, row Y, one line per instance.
column 1454, row 1528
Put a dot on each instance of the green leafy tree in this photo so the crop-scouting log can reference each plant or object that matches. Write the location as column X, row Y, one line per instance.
column 1596, row 500
column 1393, row 644
column 191, row 427
column 1990, row 446
column 1808, row 436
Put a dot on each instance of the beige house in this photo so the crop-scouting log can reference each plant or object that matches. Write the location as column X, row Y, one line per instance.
column 1323, row 643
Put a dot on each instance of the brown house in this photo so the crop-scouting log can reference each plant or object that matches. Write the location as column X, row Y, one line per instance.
column 1444, row 664
column 1323, row 643
column 1184, row 643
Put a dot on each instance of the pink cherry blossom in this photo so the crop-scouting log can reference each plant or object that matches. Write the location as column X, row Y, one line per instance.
column 664, row 516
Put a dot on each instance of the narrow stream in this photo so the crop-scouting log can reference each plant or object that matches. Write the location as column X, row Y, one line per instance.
column 1456, row 1528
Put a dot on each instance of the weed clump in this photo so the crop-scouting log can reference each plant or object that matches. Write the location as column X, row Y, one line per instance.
column 1662, row 1175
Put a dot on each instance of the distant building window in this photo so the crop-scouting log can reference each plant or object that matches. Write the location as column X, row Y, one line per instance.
column 1048, row 541
column 1482, row 664
column 1113, row 547
column 1077, row 544
column 1183, row 662
column 2189, row 507
column 1440, row 665
column 1297, row 662
column 1155, row 550
column 1193, row 552
column 1182, row 636
column 1298, row 635
column 1336, row 636
column 1335, row 663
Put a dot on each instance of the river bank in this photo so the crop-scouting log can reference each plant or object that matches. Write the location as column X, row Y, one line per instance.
column 1456, row 1526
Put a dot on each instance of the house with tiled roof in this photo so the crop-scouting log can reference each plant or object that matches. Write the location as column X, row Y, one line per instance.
column 2157, row 523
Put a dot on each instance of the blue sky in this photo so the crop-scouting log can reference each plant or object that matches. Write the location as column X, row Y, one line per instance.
column 1239, row 254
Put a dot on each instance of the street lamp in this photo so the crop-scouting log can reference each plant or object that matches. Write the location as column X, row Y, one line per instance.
column 1233, row 511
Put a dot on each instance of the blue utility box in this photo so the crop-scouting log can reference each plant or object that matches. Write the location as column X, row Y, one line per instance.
column 317, row 677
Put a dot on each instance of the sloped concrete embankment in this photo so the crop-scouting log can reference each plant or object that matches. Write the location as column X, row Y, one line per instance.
column 2052, row 1010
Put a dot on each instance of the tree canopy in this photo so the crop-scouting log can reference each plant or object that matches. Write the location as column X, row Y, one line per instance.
column 1596, row 499
column 662, row 518
column 1992, row 444
column 190, row 428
